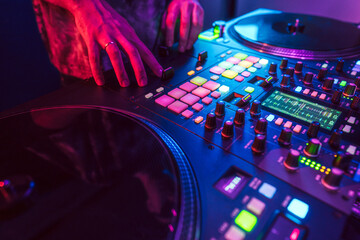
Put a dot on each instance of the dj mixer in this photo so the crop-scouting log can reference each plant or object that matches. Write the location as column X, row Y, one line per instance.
column 260, row 121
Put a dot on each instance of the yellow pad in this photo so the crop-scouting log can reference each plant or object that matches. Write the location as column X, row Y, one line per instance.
column 229, row 74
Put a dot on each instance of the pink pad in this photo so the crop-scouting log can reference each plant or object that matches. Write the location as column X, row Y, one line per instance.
column 187, row 113
column 239, row 78
column 177, row 107
column 207, row 100
column 190, row 99
column 216, row 95
column 164, row 100
column 197, row 107
column 217, row 70
column 246, row 74
column 176, row 93
column 201, row 92
column 188, row 86
column 252, row 59
column 233, row 60
column 211, row 85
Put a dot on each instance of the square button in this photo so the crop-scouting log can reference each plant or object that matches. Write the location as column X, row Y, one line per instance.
column 214, row 77
column 229, row 74
column 224, row 89
column 190, row 99
column 270, row 118
column 298, row 208
column 190, row 73
column 239, row 78
column 249, row 89
column 252, row 69
column 306, row 91
column 199, row 119
column 197, row 107
column 314, row 93
column 207, row 100
column 267, row 190
column 258, row 65
column 240, row 56
column 351, row 120
column 225, row 64
column 263, row 61
column 279, row 121
column 187, row 113
column 288, row 124
column 322, row 96
column 216, row 94
column 176, row 93
column 246, row 220
column 298, row 89
column 217, row 70
column 343, row 83
column 238, row 69
column 245, row 64
column 164, row 100
column 233, row 60
column 201, row 92
column 246, row 74
column 252, row 59
column 198, row 80
column 234, row 233
column 346, row 129
column 177, row 107
column 188, row 86
column 297, row 128
column 351, row 150
column 256, row 206
column 212, row 86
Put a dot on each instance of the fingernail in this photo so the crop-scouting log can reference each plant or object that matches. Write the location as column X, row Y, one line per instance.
column 181, row 49
column 169, row 43
column 143, row 83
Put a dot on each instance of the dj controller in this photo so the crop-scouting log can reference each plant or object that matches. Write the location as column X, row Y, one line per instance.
column 253, row 134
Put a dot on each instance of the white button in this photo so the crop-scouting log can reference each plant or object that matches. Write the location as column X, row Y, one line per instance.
column 149, row 95
column 298, row 89
column 234, row 233
column 214, row 77
column 160, row 89
column 347, row 129
column 270, row 118
column 256, row 206
column 351, row 120
column 351, row 150
column 267, row 190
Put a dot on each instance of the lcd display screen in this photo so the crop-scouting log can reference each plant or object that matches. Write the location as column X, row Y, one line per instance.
column 302, row 109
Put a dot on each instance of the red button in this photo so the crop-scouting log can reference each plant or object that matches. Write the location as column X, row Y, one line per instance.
column 177, row 107
column 164, row 100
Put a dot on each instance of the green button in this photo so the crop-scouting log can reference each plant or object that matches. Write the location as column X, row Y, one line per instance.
column 246, row 220
column 198, row 80
column 343, row 83
column 241, row 56
column 252, row 69
column 249, row 89
column 209, row 35
column 226, row 65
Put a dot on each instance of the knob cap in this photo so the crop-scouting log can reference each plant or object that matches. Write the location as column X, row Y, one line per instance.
column 357, row 83
column 290, row 71
column 261, row 126
column 228, row 129
column 210, row 122
column 255, row 109
column 273, row 69
column 335, row 139
column 239, row 119
column 299, row 67
column 292, row 160
column 350, row 90
column 342, row 160
column 313, row 148
column 328, row 84
column 285, row 137
column 308, row 78
column 322, row 74
column 332, row 180
column 284, row 63
column 220, row 109
column 336, row 97
column 219, row 27
column 285, row 81
column 313, row 129
column 355, row 104
column 340, row 65
column 259, row 143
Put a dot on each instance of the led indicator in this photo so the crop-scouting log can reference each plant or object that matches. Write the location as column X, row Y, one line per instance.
column 295, row 234
column 2, row 184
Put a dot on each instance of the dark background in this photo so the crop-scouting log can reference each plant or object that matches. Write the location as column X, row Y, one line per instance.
column 25, row 70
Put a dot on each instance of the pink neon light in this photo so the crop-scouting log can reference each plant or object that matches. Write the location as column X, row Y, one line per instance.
column 295, row 234
column 2, row 184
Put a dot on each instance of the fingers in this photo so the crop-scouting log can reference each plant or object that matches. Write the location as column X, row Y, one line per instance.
column 94, row 60
column 197, row 25
column 185, row 21
column 116, row 60
column 149, row 59
column 171, row 17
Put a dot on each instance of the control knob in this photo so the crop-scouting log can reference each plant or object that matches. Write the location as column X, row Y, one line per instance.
column 322, row 74
column 342, row 160
column 239, row 119
column 228, row 129
column 220, row 109
column 290, row 71
column 313, row 148
column 336, row 97
column 285, row 81
column 355, row 103
column 357, row 83
column 259, row 143
column 261, row 126
column 313, row 129
column 308, row 78
column 292, row 160
column 298, row 67
column 328, row 84
column 285, row 137
column 273, row 69
column 283, row 64
column 350, row 90
column 219, row 28
column 210, row 122
column 332, row 180
column 255, row 109
column 335, row 139
column 340, row 65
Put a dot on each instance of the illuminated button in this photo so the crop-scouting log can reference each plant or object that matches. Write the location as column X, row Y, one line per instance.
column 198, row 80
column 322, row 96
column 164, row 100
column 245, row 74
column 353, row 73
column 288, row 124
column 306, row 91
column 245, row 64
column 229, row 74
column 342, row 83
column 252, row 59
column 176, row 93
column 252, row 69
column 149, row 95
column 351, row 120
column 298, row 208
column 199, row 68
column 297, row 128
column 177, row 107
column 314, row 93
column 214, row 77
column 270, row 118
column 239, row 78
column 207, row 100
column 336, row 80
column 238, row 69
column 233, row 60
column 197, row 107
column 223, row 55
column 188, row 86
column 216, row 94
column 217, row 70
column 160, row 89
column 325, row 65
column 267, row 190
column 234, row 233
column 263, row 61
column 190, row 99
column 346, row 129
column 298, row 89
column 358, row 62
column 249, row 89
column 256, row 206
column 258, row 65
column 212, row 86
column 225, row 65
column 229, row 52
column 192, row 72
column 187, row 113
column 279, row 121
column 224, row 89
column 246, row 220
column 201, row 92
column 351, row 150
column 240, row 56
column 199, row 119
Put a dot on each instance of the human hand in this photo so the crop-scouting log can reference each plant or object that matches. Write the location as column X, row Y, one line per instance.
column 102, row 27
column 191, row 22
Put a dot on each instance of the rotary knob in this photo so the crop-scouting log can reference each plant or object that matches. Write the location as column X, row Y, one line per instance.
column 313, row 148
column 210, row 122
column 322, row 74
column 255, row 109
column 336, row 97
column 285, row 81
column 332, row 180
column 228, row 129
column 273, row 69
column 308, row 78
column 259, row 143
column 340, row 65
column 355, row 103
column 342, row 160
column 290, row 71
column 285, row 137
column 350, row 90
column 219, row 28
column 284, row 63
column 261, row 126
column 357, row 83
column 328, row 84
column 220, row 109
column 298, row 67
column 292, row 160
column 239, row 119
column 335, row 139
column 313, row 129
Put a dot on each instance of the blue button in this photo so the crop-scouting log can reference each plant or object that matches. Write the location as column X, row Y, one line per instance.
column 267, row 190
column 298, row 89
column 298, row 208
column 358, row 62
